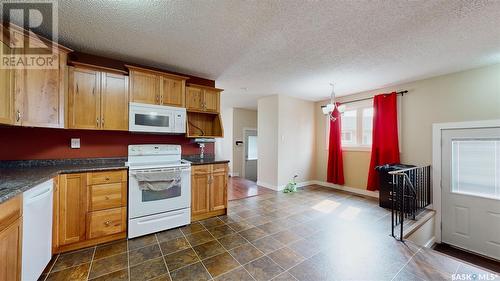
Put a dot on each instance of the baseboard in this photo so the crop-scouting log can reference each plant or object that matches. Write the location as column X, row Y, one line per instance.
column 347, row 188
column 431, row 242
column 234, row 174
column 267, row 185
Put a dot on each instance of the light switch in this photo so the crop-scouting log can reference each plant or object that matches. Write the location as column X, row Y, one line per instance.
column 75, row 143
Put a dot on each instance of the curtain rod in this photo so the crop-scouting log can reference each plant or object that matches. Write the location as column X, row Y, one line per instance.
column 398, row 93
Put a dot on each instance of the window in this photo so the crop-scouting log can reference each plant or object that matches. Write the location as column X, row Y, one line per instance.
column 252, row 148
column 349, row 127
column 475, row 167
column 357, row 125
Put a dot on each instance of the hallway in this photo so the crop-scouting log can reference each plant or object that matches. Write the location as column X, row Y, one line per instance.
column 239, row 188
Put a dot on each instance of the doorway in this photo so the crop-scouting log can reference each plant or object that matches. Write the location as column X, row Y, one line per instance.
column 470, row 189
column 250, row 154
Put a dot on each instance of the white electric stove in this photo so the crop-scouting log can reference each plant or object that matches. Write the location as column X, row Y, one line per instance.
column 151, row 211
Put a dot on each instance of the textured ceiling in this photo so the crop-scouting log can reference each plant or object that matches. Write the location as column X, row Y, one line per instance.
column 264, row 47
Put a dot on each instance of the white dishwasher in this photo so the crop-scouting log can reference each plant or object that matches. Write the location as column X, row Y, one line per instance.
column 37, row 230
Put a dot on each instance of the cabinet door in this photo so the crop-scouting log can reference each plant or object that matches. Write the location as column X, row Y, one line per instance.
column 84, row 99
column 38, row 97
column 72, row 208
column 6, row 91
column 114, row 101
column 194, row 98
column 199, row 194
column 172, row 92
column 144, row 87
column 10, row 251
column 211, row 100
column 218, row 187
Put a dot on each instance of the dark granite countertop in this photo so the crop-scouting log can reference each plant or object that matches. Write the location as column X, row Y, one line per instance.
column 19, row 176
column 208, row 159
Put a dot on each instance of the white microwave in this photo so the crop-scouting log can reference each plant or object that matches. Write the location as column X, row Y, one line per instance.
column 156, row 118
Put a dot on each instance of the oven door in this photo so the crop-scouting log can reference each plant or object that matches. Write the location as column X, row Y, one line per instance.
column 147, row 202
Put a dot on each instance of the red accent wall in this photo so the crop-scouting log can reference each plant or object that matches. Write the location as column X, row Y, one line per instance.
column 20, row 143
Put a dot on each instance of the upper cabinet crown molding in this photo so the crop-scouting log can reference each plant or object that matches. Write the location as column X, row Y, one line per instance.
column 157, row 72
column 97, row 67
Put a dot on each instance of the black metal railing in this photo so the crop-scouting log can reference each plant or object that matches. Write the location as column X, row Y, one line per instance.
column 411, row 193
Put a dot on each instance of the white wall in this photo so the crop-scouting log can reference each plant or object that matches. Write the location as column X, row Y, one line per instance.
column 242, row 119
column 267, row 130
column 224, row 146
column 286, row 141
column 296, row 140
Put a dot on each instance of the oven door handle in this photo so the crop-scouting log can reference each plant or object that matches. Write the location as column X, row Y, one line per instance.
column 154, row 170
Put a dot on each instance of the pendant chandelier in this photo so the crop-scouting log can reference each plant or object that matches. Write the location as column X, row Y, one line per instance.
column 330, row 107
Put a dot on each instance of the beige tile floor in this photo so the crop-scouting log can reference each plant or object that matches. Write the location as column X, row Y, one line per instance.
column 315, row 234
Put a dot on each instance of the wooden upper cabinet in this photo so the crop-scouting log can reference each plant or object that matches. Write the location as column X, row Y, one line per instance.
column 202, row 98
column 84, row 98
column 211, row 100
column 97, row 99
column 172, row 92
column 156, row 87
column 39, row 97
column 194, row 98
column 114, row 101
column 38, row 92
column 144, row 87
column 72, row 208
column 6, row 91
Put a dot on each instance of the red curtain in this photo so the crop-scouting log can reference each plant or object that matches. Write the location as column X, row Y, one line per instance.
column 385, row 147
column 335, row 173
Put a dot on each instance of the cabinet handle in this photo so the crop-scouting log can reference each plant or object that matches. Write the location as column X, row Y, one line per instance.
column 107, row 223
column 106, row 197
column 18, row 115
column 97, row 121
column 107, row 178
column 102, row 122
column 158, row 99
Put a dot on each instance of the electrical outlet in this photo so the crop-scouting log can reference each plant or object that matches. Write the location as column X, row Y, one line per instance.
column 75, row 143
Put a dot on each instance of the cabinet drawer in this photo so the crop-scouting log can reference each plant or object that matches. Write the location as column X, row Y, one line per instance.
column 107, row 177
column 201, row 169
column 107, row 196
column 106, row 222
column 217, row 168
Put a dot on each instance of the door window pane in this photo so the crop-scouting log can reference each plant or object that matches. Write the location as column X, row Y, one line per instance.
column 367, row 126
column 349, row 123
column 476, row 167
column 252, row 148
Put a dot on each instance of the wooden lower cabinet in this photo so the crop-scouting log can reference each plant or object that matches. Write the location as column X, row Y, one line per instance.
column 89, row 208
column 10, row 239
column 208, row 191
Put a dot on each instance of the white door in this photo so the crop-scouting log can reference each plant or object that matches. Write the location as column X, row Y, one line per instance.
column 471, row 190
column 250, row 161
